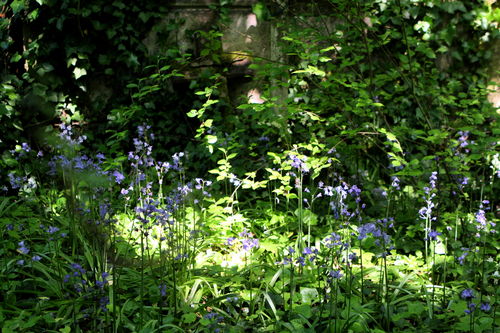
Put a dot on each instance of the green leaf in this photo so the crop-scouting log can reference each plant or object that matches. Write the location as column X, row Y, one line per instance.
column 211, row 139
column 65, row 329
column 189, row 318
column 79, row 72
column 309, row 295
column 303, row 309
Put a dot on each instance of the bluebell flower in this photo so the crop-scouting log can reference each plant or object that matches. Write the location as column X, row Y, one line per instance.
column 486, row 307
column 118, row 177
column 433, row 235
column 461, row 259
column 299, row 163
column 335, row 274
column 23, row 248
column 307, row 251
column 230, row 241
column 36, row 258
column 163, row 289
column 210, row 315
column 250, row 243
column 103, row 302
column 51, row 230
column 471, row 308
column 25, row 147
column 333, row 240
column 467, row 294
column 301, row 261
column 395, row 183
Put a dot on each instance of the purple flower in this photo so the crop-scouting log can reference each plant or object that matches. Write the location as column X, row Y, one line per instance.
column 461, row 259
column 52, row 230
column 333, row 240
column 307, row 251
column 22, row 248
column 433, row 235
column 395, row 183
column 481, row 218
column 299, row 163
column 103, row 301
column 25, row 147
column 250, row 243
column 163, row 289
column 36, row 258
column 118, row 177
column 486, row 307
column 336, row 274
column 230, row 241
column 467, row 294
column 77, row 269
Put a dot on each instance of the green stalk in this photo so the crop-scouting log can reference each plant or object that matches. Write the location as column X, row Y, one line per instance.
column 433, row 278
column 141, row 288
column 445, row 271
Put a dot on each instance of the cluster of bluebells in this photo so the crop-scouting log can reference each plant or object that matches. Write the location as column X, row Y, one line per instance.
column 333, row 240
column 463, row 256
column 16, row 181
column 338, row 199
column 378, row 230
column 246, row 241
column 202, row 185
column 53, row 232
column 334, row 274
column 308, row 255
column 425, row 212
column 395, row 183
column 24, row 249
column 79, row 164
column 215, row 321
column 468, row 295
column 462, row 182
column 23, row 183
column 463, row 143
column 77, row 278
column 299, row 163
column 68, row 137
column 482, row 223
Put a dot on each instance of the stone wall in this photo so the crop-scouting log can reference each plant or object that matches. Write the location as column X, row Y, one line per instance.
column 244, row 39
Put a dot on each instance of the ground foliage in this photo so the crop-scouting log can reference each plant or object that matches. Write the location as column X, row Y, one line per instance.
column 358, row 197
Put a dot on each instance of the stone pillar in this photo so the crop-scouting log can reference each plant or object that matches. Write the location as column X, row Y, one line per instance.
column 244, row 40
column 494, row 70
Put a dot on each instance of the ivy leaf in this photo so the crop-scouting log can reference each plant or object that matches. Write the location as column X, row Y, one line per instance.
column 79, row 72
column 309, row 295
